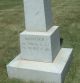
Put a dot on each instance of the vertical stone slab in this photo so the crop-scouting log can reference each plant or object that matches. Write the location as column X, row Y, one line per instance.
column 38, row 15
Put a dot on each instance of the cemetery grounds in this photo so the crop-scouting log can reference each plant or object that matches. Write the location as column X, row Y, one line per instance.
column 66, row 15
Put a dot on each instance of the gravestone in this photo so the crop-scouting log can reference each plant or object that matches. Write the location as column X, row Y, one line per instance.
column 41, row 57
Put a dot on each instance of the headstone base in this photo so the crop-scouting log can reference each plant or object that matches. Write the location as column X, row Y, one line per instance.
column 40, row 46
column 40, row 71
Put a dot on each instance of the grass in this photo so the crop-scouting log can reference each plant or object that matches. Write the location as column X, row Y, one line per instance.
column 66, row 15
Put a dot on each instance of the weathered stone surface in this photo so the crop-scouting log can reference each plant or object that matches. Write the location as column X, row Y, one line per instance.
column 40, row 46
column 39, row 71
column 38, row 15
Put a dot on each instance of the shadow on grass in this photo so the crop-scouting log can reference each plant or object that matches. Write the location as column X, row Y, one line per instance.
column 61, row 41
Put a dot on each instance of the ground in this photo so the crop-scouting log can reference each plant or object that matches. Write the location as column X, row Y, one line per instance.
column 66, row 14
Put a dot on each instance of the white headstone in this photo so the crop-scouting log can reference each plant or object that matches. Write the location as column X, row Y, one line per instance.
column 38, row 15
column 40, row 43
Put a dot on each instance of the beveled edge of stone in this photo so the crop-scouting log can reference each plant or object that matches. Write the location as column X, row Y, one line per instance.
column 57, row 66
column 49, row 32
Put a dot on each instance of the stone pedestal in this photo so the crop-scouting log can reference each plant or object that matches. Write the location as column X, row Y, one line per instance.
column 40, row 46
column 39, row 71
column 41, row 57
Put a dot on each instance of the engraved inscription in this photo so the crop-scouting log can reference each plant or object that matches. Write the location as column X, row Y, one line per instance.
column 36, row 44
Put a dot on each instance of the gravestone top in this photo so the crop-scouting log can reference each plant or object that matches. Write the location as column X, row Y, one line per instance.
column 38, row 16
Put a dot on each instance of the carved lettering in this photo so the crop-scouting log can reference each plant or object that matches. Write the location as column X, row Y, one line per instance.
column 36, row 44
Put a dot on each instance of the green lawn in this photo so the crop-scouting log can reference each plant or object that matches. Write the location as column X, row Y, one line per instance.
column 66, row 14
